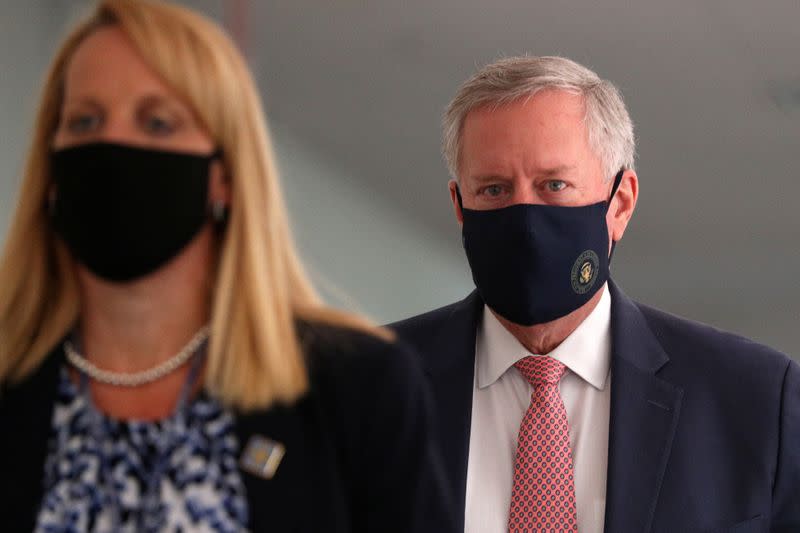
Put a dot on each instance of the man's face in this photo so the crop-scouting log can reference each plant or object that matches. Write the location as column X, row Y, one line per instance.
column 536, row 151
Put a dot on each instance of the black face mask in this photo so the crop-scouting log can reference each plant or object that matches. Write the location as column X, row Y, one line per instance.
column 535, row 263
column 125, row 211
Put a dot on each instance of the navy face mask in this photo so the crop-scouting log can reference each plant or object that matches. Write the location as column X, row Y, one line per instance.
column 535, row 263
column 125, row 211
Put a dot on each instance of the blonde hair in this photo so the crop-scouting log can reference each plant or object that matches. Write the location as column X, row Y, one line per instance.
column 255, row 357
column 513, row 78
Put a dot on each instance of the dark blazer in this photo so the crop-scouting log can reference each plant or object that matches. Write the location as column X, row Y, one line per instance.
column 359, row 454
column 704, row 426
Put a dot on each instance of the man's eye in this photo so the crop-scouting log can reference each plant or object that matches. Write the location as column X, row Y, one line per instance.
column 82, row 123
column 555, row 185
column 493, row 190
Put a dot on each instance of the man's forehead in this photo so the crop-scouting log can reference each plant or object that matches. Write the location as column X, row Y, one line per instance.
column 546, row 134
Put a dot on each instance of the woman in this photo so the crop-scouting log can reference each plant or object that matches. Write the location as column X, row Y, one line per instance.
column 165, row 364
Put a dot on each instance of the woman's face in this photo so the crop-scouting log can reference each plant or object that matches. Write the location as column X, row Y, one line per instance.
column 112, row 95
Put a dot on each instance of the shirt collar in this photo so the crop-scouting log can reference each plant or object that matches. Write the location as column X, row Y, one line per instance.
column 586, row 352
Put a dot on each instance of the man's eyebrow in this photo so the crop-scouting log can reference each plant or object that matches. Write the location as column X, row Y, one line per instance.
column 539, row 173
column 554, row 171
column 490, row 177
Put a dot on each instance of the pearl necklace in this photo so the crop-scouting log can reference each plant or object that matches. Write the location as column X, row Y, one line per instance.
column 135, row 379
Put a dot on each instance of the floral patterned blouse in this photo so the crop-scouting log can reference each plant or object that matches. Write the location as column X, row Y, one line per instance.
column 178, row 474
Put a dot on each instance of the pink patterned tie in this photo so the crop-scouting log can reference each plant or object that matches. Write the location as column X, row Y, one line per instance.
column 543, row 498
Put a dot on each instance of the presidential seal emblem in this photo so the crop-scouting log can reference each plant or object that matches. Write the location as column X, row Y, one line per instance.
column 584, row 272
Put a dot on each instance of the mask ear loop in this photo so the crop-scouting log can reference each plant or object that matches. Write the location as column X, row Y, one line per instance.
column 219, row 211
column 458, row 195
column 51, row 201
column 617, row 182
column 461, row 206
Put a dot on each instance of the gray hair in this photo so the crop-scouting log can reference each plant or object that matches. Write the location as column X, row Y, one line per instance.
column 510, row 79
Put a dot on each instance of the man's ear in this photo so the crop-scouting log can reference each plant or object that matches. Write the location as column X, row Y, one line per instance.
column 453, row 186
column 622, row 205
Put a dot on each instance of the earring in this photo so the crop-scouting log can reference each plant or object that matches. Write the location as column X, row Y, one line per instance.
column 219, row 211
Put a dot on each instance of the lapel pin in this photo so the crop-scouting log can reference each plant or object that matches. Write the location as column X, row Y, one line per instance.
column 262, row 456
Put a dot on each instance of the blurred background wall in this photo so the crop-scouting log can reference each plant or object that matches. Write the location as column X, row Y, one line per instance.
column 354, row 91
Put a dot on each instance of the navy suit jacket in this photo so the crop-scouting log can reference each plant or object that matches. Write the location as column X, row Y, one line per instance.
column 704, row 429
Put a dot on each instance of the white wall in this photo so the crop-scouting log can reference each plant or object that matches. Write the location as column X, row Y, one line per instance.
column 26, row 37
column 362, row 253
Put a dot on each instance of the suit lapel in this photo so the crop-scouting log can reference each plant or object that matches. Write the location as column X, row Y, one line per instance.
column 644, row 415
column 450, row 365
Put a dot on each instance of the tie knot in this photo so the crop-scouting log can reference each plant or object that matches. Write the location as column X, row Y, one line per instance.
column 541, row 369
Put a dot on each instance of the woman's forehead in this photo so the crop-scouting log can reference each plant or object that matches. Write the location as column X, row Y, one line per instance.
column 107, row 62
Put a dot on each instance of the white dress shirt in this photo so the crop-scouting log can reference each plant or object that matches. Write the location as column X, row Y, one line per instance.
column 500, row 399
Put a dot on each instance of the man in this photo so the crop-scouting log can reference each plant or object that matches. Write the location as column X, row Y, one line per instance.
column 562, row 404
